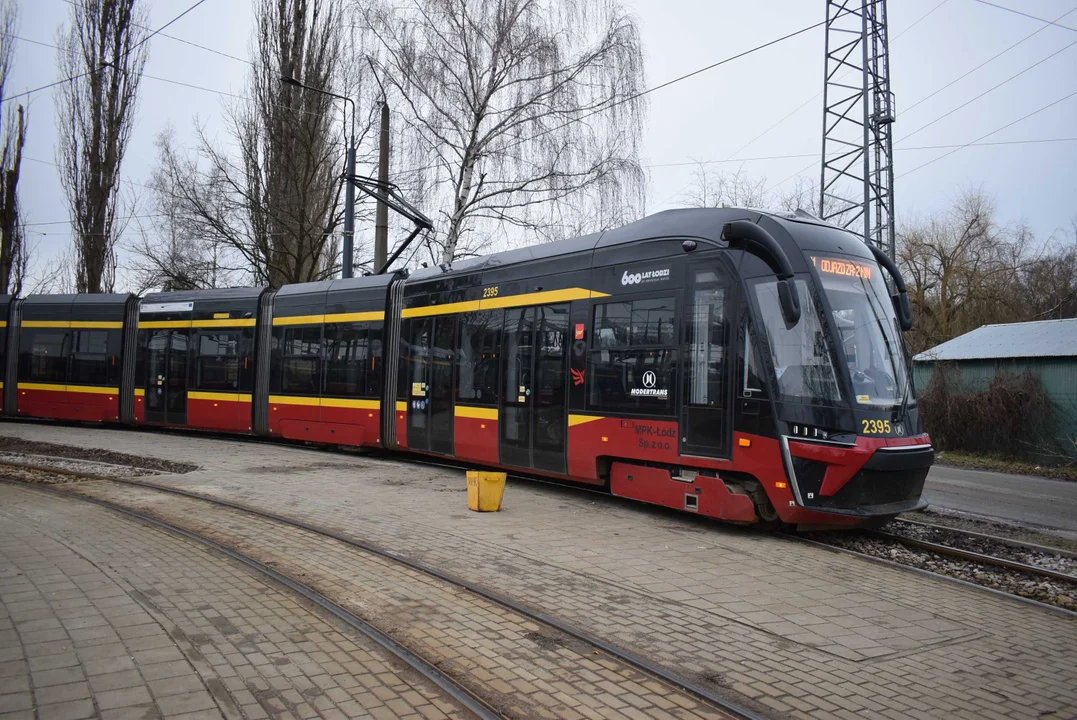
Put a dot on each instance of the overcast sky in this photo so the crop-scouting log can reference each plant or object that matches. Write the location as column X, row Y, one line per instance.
column 711, row 116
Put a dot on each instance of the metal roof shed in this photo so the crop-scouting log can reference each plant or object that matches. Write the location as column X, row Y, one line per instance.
column 1046, row 348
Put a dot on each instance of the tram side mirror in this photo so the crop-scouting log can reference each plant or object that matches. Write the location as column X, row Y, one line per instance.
column 789, row 299
column 752, row 238
column 903, row 310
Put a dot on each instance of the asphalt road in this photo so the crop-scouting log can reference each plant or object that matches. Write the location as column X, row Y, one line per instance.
column 1052, row 503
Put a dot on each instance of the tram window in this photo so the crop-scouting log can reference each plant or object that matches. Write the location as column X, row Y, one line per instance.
column 632, row 364
column 47, row 357
column 218, row 364
column 301, row 350
column 350, row 358
column 90, row 360
column 652, row 322
column 478, row 356
column 374, row 360
column 800, row 354
column 613, row 324
column 706, row 341
column 752, row 383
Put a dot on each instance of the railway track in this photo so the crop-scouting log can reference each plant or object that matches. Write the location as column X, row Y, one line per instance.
column 1010, row 566
column 78, row 484
column 969, row 545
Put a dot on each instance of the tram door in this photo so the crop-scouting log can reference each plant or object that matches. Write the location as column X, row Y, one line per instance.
column 166, row 377
column 534, row 402
column 430, row 387
column 706, row 421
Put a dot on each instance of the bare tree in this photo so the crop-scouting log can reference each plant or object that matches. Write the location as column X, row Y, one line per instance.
column 963, row 269
column 171, row 253
column 102, row 55
column 715, row 189
column 516, row 113
column 274, row 208
column 13, row 251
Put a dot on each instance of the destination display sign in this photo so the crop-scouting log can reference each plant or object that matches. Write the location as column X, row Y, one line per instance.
column 845, row 268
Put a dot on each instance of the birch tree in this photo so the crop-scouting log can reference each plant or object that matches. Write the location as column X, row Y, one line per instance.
column 518, row 115
column 103, row 54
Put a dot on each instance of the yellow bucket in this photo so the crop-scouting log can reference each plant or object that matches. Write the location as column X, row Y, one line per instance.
column 484, row 490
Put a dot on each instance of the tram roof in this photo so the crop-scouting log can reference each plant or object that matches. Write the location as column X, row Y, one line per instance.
column 689, row 223
column 339, row 285
column 213, row 294
column 81, row 299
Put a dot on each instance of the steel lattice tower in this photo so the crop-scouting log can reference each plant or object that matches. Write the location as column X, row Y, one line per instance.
column 858, row 116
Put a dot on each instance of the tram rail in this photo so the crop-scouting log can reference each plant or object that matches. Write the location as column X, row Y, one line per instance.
column 674, row 680
column 987, row 559
column 456, row 690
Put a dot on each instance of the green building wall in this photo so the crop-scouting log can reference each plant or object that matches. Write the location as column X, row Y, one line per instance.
column 1058, row 376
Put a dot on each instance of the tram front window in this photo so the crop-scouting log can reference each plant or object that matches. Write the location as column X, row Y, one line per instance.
column 800, row 353
column 867, row 330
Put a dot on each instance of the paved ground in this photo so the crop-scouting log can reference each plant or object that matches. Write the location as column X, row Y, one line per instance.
column 1041, row 501
column 802, row 631
column 101, row 616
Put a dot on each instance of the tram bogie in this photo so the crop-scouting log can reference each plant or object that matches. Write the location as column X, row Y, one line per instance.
column 741, row 365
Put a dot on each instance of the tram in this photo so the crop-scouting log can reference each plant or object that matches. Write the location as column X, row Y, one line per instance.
column 739, row 364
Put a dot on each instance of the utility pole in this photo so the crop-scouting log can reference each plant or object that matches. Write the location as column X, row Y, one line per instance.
column 349, row 215
column 381, row 222
column 857, row 183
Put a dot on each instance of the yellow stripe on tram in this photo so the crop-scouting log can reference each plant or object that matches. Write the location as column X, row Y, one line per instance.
column 574, row 420
column 544, row 297
column 86, row 324
column 163, row 324
column 218, row 396
column 479, row 413
column 304, row 400
column 90, row 389
column 330, row 318
column 229, row 322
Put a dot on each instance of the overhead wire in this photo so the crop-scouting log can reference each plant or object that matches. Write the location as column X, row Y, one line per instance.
column 993, row 132
column 804, row 104
column 134, row 47
column 1030, row 141
column 988, row 60
column 997, row 85
column 990, row 90
column 816, row 95
column 1025, row 14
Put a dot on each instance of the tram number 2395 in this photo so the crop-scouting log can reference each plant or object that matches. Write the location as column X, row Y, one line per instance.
column 489, row 292
column 875, row 427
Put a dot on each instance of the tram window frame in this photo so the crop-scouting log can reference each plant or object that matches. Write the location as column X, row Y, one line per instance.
column 310, row 354
column 483, row 332
column 90, row 362
column 713, row 384
column 611, row 391
column 241, row 339
column 753, row 384
column 36, row 367
column 368, row 368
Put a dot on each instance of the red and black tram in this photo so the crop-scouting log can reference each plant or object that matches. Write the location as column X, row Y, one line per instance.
column 743, row 365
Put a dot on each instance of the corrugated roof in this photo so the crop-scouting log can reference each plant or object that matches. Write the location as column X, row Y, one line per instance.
column 1043, row 338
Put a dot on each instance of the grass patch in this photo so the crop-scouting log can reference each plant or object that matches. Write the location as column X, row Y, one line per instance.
column 1007, row 465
